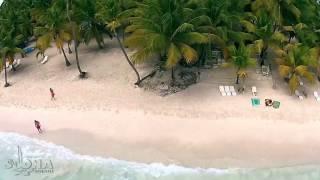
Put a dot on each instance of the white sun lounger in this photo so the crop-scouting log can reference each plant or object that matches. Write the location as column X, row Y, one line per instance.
column 18, row 63
column 227, row 89
column 299, row 95
column 222, row 91
column 45, row 59
column 7, row 65
column 233, row 91
column 254, row 91
column 316, row 95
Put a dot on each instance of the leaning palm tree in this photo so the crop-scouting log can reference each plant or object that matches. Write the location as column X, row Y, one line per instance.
column 164, row 27
column 295, row 62
column 55, row 29
column 112, row 14
column 241, row 58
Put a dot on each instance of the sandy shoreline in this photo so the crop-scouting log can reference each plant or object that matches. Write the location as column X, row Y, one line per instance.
column 152, row 138
column 107, row 116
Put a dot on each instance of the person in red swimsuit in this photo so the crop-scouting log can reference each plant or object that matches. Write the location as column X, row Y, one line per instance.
column 38, row 126
column 52, row 94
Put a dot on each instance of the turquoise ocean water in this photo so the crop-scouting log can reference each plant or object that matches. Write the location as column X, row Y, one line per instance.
column 24, row 158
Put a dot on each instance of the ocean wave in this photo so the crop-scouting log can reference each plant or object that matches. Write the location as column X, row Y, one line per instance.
column 71, row 166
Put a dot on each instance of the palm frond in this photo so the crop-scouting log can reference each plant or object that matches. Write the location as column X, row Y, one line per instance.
column 189, row 54
column 285, row 71
column 174, row 56
column 294, row 83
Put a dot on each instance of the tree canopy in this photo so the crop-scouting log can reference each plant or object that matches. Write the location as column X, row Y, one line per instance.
column 179, row 31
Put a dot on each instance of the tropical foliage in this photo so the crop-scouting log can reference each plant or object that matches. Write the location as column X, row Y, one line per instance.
column 241, row 58
column 168, row 28
column 178, row 31
column 55, row 29
column 295, row 64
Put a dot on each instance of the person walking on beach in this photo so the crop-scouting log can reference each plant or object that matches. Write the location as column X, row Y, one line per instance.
column 38, row 126
column 52, row 94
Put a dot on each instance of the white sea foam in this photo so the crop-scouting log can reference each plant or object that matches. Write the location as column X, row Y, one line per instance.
column 71, row 166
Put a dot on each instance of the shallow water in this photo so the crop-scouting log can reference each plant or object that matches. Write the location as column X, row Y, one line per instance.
column 39, row 160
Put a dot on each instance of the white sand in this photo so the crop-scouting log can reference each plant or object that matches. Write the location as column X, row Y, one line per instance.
column 106, row 115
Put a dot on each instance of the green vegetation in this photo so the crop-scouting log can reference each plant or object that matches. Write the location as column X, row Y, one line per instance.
column 178, row 31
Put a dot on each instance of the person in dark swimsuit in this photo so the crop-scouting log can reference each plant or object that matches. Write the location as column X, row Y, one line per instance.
column 38, row 126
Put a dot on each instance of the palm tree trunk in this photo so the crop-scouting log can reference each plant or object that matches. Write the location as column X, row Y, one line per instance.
column 172, row 77
column 5, row 73
column 99, row 43
column 238, row 77
column 318, row 72
column 65, row 58
column 70, row 51
column 82, row 74
column 263, row 55
column 128, row 60
column 123, row 34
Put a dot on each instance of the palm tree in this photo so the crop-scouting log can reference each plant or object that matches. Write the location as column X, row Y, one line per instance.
column 73, row 24
column 15, row 17
column 310, row 37
column 4, row 64
column 266, row 37
column 165, row 27
column 90, row 27
column 282, row 12
column 111, row 12
column 226, row 17
column 241, row 58
column 38, row 8
column 295, row 62
column 55, row 29
column 8, row 50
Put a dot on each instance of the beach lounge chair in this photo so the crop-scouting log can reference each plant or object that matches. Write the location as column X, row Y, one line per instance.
column 316, row 95
column 255, row 102
column 298, row 94
column 18, row 63
column 233, row 91
column 45, row 60
column 254, row 91
column 227, row 89
column 222, row 91
column 276, row 104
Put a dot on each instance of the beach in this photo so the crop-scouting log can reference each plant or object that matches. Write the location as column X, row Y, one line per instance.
column 106, row 115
